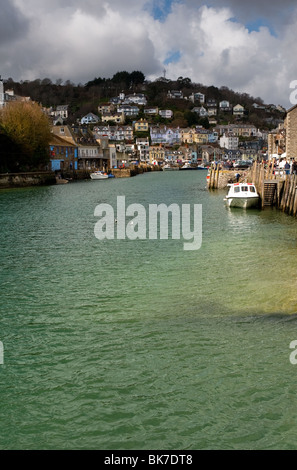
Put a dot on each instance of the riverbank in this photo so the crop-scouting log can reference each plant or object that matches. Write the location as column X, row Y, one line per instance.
column 22, row 180
column 46, row 178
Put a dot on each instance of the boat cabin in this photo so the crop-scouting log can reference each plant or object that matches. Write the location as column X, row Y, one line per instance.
column 244, row 187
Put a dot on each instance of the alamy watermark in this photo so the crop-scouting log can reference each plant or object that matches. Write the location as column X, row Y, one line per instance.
column 1, row 354
column 293, row 355
column 136, row 223
column 293, row 94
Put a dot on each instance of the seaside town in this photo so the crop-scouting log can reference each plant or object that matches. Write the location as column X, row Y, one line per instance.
column 105, row 141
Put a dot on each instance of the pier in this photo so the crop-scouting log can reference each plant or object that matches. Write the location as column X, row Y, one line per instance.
column 274, row 186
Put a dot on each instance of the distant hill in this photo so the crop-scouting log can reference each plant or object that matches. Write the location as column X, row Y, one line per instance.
column 83, row 99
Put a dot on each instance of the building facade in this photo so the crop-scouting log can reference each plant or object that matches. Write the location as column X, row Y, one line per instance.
column 290, row 125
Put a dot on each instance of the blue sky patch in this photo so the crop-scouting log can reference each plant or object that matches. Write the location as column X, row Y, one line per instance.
column 256, row 25
column 172, row 57
column 162, row 8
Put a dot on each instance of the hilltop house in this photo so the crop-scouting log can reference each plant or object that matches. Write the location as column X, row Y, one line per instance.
column 200, row 97
column 136, row 98
column 166, row 113
column 105, row 108
column 118, row 118
column 152, row 111
column 90, row 118
column 175, row 94
column 141, row 126
column 238, row 110
column 128, row 110
column 225, row 106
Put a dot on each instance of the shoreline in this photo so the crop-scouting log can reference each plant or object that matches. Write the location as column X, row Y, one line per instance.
column 50, row 178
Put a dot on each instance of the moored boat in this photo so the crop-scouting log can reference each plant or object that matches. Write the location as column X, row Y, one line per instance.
column 170, row 167
column 99, row 175
column 242, row 195
column 188, row 166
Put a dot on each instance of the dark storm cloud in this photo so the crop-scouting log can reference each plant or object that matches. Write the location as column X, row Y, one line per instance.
column 12, row 23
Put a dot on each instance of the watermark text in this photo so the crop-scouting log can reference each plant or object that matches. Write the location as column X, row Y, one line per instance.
column 136, row 223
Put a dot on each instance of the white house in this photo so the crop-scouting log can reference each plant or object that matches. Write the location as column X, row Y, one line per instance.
column 143, row 149
column 153, row 111
column 225, row 106
column 166, row 113
column 229, row 142
column 164, row 135
column 175, row 94
column 136, row 98
column 128, row 110
column 200, row 97
column 90, row 118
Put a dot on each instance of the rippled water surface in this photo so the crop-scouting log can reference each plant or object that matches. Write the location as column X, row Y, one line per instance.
column 122, row 344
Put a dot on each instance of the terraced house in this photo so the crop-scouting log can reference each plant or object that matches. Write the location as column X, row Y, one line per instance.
column 165, row 135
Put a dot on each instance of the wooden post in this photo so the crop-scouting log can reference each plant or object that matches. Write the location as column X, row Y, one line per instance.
column 262, row 184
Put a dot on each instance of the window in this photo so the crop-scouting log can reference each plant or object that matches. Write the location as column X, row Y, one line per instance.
column 236, row 189
column 244, row 188
column 252, row 189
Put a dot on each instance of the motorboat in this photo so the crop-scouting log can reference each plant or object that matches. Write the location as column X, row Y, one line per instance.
column 170, row 167
column 187, row 166
column 99, row 175
column 242, row 195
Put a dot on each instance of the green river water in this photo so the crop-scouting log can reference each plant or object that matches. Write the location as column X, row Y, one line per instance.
column 138, row 344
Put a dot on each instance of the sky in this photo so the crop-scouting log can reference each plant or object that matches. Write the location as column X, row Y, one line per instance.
column 250, row 47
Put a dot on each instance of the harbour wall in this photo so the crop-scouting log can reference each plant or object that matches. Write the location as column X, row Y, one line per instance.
column 219, row 178
column 22, row 180
column 45, row 178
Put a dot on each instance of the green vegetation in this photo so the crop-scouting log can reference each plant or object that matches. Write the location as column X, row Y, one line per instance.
column 24, row 137
column 83, row 99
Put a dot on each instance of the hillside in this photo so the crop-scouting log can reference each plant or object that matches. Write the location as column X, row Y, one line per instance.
column 83, row 99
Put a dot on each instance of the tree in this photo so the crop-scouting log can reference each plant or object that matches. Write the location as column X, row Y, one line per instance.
column 122, row 78
column 28, row 127
column 137, row 78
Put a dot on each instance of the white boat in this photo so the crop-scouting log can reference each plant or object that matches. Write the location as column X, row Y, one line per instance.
column 170, row 168
column 242, row 195
column 187, row 166
column 99, row 175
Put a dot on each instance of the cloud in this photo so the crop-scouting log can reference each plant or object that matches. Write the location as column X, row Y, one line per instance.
column 248, row 47
column 216, row 49
column 12, row 23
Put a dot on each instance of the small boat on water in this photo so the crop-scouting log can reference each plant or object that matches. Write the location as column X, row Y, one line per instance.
column 242, row 195
column 170, row 168
column 99, row 175
column 188, row 166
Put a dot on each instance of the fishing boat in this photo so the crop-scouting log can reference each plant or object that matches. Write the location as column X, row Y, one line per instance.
column 99, row 175
column 242, row 195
